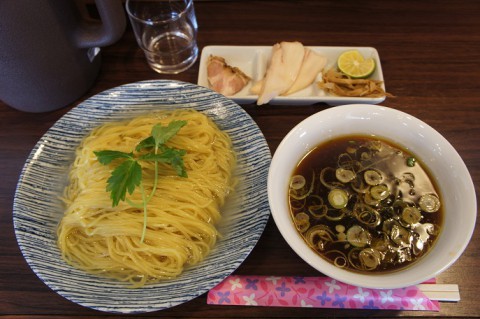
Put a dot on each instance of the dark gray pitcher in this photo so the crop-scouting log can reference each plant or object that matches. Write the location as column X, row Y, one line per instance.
column 49, row 50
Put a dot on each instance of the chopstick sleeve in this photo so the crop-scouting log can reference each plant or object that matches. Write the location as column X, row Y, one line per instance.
column 316, row 292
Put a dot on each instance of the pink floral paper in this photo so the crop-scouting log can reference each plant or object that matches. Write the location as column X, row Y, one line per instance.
column 317, row 292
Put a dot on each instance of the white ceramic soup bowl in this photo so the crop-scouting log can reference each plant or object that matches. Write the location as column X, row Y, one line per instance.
column 443, row 162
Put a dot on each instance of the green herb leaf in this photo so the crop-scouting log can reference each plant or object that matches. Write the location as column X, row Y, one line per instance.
column 164, row 158
column 128, row 175
column 162, row 134
column 411, row 161
column 175, row 158
column 170, row 156
column 146, row 143
column 106, row 157
column 179, row 167
column 125, row 177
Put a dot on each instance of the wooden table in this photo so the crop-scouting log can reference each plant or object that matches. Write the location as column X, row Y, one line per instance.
column 430, row 53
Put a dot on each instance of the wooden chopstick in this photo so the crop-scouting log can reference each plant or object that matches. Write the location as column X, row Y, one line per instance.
column 440, row 292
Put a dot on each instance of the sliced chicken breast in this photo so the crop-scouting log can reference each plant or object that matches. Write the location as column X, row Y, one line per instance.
column 313, row 64
column 285, row 64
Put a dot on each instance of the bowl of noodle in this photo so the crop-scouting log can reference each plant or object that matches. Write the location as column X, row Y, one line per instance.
column 197, row 230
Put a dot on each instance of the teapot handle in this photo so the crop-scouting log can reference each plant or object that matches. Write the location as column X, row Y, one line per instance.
column 111, row 29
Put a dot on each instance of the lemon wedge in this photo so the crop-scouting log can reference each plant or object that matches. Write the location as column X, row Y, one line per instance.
column 353, row 64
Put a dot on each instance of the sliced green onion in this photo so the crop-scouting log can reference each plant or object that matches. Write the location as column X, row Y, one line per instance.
column 429, row 203
column 340, row 228
column 359, row 185
column 344, row 175
column 302, row 222
column 401, row 236
column 305, row 195
column 318, row 211
column 373, row 177
column 328, row 172
column 340, row 261
column 345, row 161
column 365, row 156
column 369, row 217
column 411, row 215
column 297, row 182
column 370, row 258
column 380, row 192
column 369, row 200
column 336, row 214
column 338, row 198
column 358, row 236
column 318, row 236
column 341, row 237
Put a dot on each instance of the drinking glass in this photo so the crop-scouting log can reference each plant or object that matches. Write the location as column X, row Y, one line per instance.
column 166, row 30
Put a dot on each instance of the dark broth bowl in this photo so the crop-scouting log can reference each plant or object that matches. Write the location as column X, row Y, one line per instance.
column 443, row 162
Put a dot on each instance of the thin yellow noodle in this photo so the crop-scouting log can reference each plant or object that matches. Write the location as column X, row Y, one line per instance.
column 181, row 216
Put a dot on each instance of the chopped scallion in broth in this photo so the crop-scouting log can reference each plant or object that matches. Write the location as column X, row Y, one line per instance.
column 365, row 204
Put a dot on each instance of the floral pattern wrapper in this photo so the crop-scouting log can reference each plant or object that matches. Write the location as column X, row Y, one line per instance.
column 317, row 292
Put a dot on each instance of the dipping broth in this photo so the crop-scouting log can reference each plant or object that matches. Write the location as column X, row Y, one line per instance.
column 365, row 204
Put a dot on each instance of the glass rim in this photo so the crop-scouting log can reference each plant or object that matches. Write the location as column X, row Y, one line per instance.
column 189, row 4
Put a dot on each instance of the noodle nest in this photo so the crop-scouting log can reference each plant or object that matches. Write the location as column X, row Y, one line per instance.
column 101, row 239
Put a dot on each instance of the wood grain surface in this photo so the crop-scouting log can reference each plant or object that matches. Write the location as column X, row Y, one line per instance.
column 430, row 53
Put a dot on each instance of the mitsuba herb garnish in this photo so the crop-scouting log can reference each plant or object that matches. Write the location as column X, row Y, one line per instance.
column 127, row 175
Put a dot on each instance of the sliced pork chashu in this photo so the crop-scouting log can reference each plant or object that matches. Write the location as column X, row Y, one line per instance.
column 223, row 78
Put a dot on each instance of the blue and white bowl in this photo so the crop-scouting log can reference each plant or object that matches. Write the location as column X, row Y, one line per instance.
column 37, row 209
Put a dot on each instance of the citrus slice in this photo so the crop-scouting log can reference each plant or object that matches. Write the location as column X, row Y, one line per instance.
column 353, row 64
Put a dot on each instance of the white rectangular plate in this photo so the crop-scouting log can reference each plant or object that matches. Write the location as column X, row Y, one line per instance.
column 253, row 60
